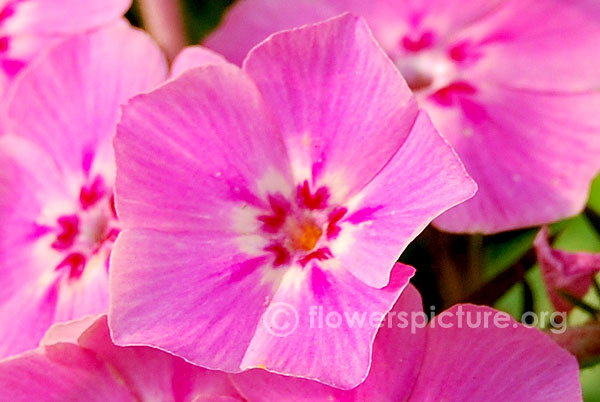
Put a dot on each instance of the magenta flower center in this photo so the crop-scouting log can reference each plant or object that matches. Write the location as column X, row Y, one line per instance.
column 298, row 229
column 90, row 229
column 433, row 68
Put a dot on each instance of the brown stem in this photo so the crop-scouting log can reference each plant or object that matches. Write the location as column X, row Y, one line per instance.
column 443, row 266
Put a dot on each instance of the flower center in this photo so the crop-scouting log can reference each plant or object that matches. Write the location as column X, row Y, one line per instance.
column 298, row 228
column 305, row 236
column 432, row 68
column 90, row 230
column 425, row 70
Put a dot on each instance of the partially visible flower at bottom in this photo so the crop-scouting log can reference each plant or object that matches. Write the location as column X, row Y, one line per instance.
column 467, row 353
column 78, row 361
column 457, row 357
column 563, row 271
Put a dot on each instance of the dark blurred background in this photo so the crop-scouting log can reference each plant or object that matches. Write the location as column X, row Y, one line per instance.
column 200, row 16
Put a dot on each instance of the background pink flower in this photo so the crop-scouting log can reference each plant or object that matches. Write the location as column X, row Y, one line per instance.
column 512, row 84
column 297, row 180
column 30, row 26
column 56, row 179
column 78, row 361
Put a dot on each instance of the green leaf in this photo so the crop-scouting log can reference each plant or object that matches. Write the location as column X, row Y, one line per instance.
column 590, row 378
column 501, row 254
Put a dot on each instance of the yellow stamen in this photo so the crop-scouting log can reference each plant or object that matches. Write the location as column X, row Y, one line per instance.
column 307, row 236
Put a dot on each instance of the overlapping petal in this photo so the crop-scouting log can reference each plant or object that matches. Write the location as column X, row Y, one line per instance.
column 397, row 356
column 63, row 372
column 78, row 361
column 466, row 353
column 335, row 323
column 501, row 354
column 421, row 181
column 194, row 56
column 195, row 295
column 339, row 101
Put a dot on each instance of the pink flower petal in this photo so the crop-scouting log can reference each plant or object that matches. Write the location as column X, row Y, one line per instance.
column 541, row 176
column 204, row 139
column 421, row 181
column 152, row 374
column 22, row 190
column 89, row 295
column 547, row 46
column 108, row 66
column 397, row 353
column 25, row 318
column 250, row 22
column 341, row 104
column 260, row 385
column 45, row 17
column 347, row 315
column 192, row 57
column 466, row 361
column 217, row 312
column 61, row 372
column 78, row 361
column 28, row 28
column 449, row 15
column 203, row 398
column 68, row 332
column 27, row 295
